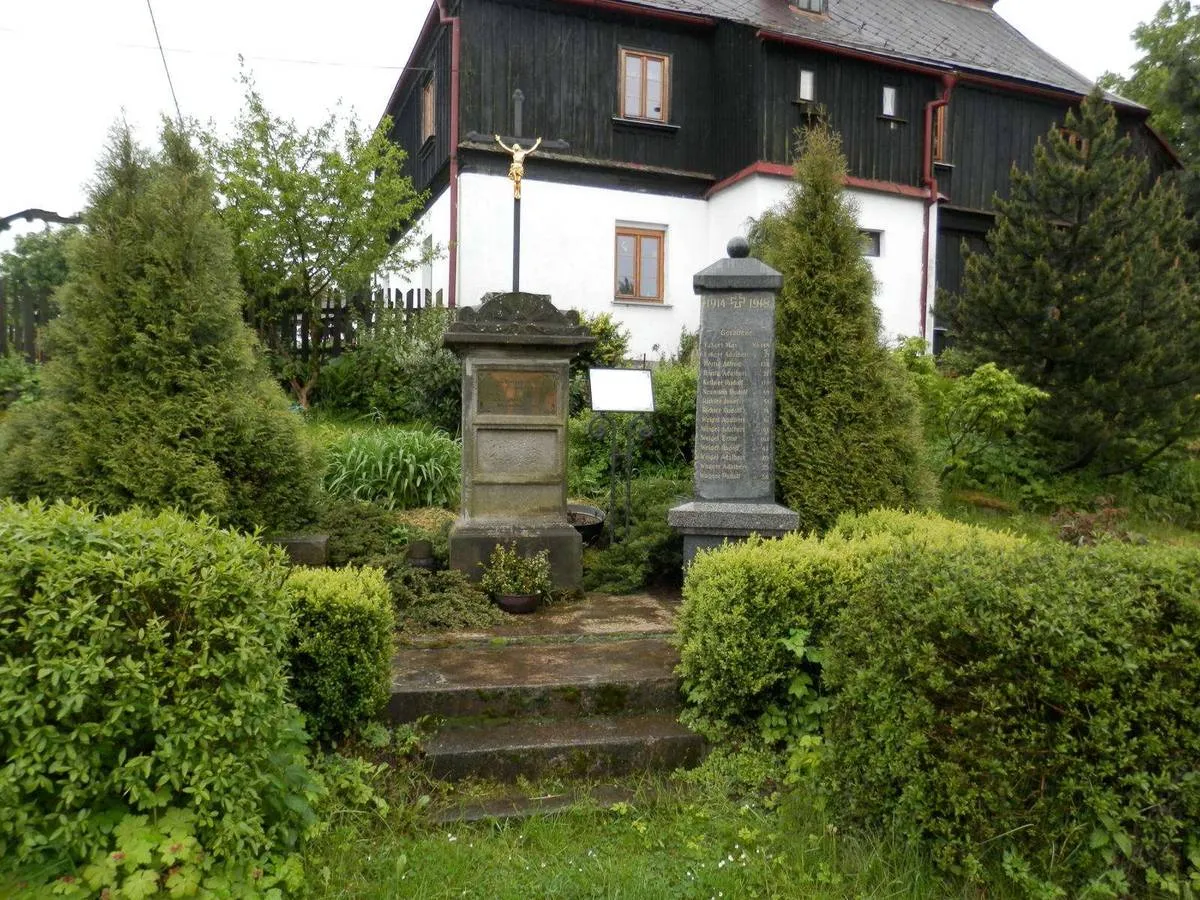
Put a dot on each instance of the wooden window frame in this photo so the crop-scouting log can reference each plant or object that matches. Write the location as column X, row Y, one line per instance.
column 640, row 233
column 939, row 134
column 645, row 55
column 429, row 109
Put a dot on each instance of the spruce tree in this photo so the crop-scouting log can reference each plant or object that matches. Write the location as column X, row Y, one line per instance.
column 1090, row 294
column 153, row 394
column 848, row 435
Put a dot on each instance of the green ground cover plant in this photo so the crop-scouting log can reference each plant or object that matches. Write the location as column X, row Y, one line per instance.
column 443, row 600
column 142, row 666
column 394, row 467
column 340, row 647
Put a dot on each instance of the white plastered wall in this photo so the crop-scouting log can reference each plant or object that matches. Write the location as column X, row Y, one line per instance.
column 568, row 247
column 435, row 223
column 898, row 267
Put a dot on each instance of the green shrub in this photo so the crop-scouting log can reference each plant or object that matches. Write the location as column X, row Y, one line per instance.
column 154, row 395
column 435, row 601
column 142, row 666
column 18, row 380
column 394, row 467
column 1029, row 707
column 341, row 647
column 400, row 374
column 662, row 439
column 972, row 419
column 747, row 605
column 651, row 551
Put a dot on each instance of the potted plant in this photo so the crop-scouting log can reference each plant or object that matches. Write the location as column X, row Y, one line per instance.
column 517, row 583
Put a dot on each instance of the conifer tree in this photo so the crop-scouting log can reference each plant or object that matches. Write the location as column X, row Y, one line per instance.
column 153, row 394
column 848, row 435
column 1090, row 293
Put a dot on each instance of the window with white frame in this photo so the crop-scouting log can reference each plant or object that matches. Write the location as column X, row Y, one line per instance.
column 890, row 96
column 808, row 85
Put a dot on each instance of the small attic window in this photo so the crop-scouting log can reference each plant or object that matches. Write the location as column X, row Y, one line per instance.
column 807, row 88
column 814, row 6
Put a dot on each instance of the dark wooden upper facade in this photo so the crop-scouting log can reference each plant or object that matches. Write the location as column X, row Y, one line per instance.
column 733, row 102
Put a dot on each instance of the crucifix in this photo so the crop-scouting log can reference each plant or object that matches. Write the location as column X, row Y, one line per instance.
column 516, row 172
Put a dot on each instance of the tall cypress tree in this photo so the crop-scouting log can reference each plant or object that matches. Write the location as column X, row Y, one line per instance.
column 1090, row 293
column 848, row 435
column 153, row 394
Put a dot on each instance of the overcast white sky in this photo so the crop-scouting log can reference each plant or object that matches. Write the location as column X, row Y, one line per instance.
column 70, row 68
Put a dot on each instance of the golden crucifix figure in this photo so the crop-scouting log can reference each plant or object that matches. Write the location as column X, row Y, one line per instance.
column 516, row 171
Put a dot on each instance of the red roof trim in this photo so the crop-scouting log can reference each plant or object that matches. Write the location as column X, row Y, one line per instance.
column 779, row 170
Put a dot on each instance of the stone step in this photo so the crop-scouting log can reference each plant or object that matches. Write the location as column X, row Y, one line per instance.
column 535, row 680
column 593, row 747
column 596, row 617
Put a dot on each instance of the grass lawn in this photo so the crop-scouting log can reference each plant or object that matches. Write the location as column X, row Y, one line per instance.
column 674, row 840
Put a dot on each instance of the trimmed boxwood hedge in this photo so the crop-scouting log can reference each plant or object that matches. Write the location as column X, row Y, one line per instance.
column 142, row 667
column 341, row 647
column 1028, row 710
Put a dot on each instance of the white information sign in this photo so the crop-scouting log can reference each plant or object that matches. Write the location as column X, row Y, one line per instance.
column 621, row 390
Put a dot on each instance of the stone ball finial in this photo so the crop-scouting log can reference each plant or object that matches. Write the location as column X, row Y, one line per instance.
column 738, row 247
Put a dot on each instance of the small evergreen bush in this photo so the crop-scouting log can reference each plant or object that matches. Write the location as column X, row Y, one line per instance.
column 1030, row 708
column 848, row 437
column 444, row 600
column 18, row 380
column 394, row 467
column 153, row 394
column 142, row 666
column 341, row 647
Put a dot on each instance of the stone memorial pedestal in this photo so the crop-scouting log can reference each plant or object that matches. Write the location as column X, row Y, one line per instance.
column 516, row 349
column 735, row 408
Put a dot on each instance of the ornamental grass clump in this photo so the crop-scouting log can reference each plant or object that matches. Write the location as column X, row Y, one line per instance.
column 142, row 666
column 394, row 467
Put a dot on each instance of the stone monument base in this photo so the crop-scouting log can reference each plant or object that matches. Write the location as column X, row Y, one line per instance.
column 472, row 542
column 710, row 523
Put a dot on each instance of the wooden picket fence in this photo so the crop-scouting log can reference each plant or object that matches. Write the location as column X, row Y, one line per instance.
column 345, row 322
column 23, row 318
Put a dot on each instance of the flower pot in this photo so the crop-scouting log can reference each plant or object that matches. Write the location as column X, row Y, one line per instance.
column 517, row 604
column 587, row 520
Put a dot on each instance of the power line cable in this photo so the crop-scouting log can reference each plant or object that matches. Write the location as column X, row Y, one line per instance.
column 166, row 68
